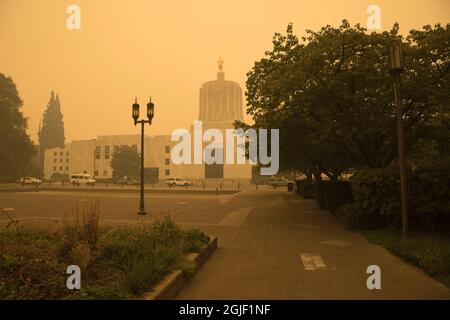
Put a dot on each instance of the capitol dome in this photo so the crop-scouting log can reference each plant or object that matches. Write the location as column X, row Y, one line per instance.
column 221, row 100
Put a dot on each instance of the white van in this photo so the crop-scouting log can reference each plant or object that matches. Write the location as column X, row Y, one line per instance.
column 81, row 178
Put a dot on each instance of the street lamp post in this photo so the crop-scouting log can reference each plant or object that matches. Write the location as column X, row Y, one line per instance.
column 135, row 115
column 396, row 67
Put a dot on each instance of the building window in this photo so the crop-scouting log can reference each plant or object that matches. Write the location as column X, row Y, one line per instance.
column 167, row 172
column 54, row 168
column 67, row 153
column 55, row 153
column 107, row 149
column 167, row 162
column 105, row 173
column 61, row 160
column 60, row 168
column 67, row 160
column 95, row 173
column 116, row 148
column 167, row 149
column 54, row 160
column 67, row 169
column 61, row 153
column 97, row 152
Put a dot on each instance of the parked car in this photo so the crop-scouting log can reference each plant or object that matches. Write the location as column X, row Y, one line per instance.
column 81, row 178
column 174, row 182
column 30, row 180
column 126, row 181
column 279, row 182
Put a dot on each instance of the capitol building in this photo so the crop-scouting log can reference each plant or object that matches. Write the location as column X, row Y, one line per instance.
column 220, row 104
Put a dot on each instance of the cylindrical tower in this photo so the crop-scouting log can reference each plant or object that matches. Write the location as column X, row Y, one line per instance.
column 221, row 100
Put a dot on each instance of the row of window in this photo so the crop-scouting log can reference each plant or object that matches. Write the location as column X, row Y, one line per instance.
column 61, row 169
column 167, row 161
column 96, row 173
column 61, row 160
column 61, row 153
column 106, row 153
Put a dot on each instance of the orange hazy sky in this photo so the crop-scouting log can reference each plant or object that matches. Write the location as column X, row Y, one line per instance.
column 166, row 48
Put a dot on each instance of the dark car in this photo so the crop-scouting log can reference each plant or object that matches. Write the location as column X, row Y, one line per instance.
column 126, row 181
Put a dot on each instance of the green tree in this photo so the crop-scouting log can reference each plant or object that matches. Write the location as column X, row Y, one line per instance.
column 125, row 162
column 51, row 135
column 332, row 98
column 16, row 148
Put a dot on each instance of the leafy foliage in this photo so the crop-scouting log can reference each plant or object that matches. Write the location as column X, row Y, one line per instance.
column 51, row 135
column 16, row 148
column 430, row 252
column 376, row 193
column 331, row 96
column 125, row 162
column 119, row 263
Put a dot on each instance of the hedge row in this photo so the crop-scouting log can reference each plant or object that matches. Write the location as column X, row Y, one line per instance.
column 372, row 198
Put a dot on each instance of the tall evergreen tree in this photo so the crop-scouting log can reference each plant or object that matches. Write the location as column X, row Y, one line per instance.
column 51, row 134
column 16, row 148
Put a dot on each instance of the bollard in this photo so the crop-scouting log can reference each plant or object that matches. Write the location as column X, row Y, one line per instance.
column 239, row 187
column 217, row 191
column 63, row 183
column 203, row 185
column 37, row 187
column 106, row 184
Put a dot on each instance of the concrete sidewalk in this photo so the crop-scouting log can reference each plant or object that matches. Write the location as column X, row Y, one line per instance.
column 274, row 245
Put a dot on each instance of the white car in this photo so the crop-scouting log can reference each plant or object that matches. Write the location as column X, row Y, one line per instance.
column 30, row 180
column 174, row 182
column 81, row 178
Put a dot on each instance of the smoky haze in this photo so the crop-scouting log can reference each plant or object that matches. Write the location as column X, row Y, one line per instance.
column 166, row 49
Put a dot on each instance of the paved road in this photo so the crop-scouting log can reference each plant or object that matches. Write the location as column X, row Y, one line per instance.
column 272, row 244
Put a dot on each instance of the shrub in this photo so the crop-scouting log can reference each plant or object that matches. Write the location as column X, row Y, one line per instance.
column 82, row 225
column 336, row 194
column 355, row 217
column 194, row 240
column 126, row 262
column 432, row 253
column 377, row 191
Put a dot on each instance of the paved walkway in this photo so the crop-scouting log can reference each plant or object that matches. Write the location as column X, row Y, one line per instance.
column 274, row 245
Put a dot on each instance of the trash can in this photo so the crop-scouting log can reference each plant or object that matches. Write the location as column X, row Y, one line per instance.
column 290, row 186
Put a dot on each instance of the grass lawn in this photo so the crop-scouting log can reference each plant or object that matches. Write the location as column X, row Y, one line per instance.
column 431, row 252
column 116, row 263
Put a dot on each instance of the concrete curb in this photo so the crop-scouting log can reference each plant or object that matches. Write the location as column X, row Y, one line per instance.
column 116, row 190
column 171, row 284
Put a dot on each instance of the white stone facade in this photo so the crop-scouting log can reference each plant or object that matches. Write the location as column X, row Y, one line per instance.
column 220, row 105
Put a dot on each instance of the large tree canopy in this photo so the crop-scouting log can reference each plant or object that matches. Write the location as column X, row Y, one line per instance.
column 331, row 96
column 16, row 149
column 51, row 135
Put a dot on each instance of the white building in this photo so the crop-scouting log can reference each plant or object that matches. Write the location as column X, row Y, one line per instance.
column 220, row 105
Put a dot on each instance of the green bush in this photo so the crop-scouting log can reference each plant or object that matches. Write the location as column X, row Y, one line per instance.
column 336, row 194
column 377, row 192
column 121, row 263
column 356, row 218
column 430, row 252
